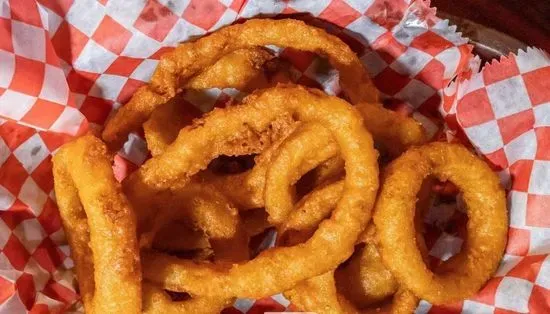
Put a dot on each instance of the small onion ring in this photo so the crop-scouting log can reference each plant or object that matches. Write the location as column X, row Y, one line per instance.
column 240, row 69
column 299, row 153
column 487, row 225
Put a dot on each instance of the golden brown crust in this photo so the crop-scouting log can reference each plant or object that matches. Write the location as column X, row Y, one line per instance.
column 100, row 225
column 336, row 236
column 487, row 225
column 177, row 67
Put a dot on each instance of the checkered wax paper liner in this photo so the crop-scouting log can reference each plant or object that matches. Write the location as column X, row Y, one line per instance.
column 66, row 64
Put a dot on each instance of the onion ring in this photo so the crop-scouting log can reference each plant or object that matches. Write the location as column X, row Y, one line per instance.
column 333, row 241
column 487, row 225
column 240, row 69
column 188, row 59
column 394, row 132
column 298, row 154
column 100, row 226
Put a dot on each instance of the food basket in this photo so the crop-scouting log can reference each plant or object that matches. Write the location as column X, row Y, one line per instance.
column 65, row 66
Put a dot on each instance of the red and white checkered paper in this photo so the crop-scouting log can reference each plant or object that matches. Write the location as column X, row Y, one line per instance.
column 66, row 64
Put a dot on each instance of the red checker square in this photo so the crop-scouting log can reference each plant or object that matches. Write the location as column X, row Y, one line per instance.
column 16, row 253
column 57, row 291
column 68, row 42
column 204, row 13
column 538, row 85
column 474, row 109
column 266, row 305
column 5, row 35
column 43, row 113
column 26, row 12
column 49, row 217
column 12, row 175
column 432, row 74
column 518, row 241
column 487, row 294
column 431, row 43
column 516, row 124
column 28, row 77
column 26, row 290
column 448, row 101
column 388, row 47
column 538, row 211
column 128, row 90
column 430, row 107
column 48, row 255
column 390, row 82
column 497, row 160
column 81, row 81
column 339, row 13
column 122, row 167
column 528, row 268
column 543, row 143
column 104, row 2
column 301, row 60
column 15, row 134
column 539, row 302
column 42, row 175
column 111, row 35
column 60, row 7
column 499, row 71
column 96, row 109
column 123, row 66
column 289, row 10
column 155, row 20
column 71, row 100
column 7, row 288
column 51, row 56
column 520, row 172
column 447, row 308
column 385, row 14
column 54, row 140
column 17, row 213
column 236, row 5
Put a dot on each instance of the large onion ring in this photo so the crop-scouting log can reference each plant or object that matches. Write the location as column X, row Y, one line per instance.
column 190, row 58
column 100, row 226
column 333, row 241
column 487, row 225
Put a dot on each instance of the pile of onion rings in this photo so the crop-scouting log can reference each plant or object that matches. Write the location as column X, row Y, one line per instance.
column 179, row 233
